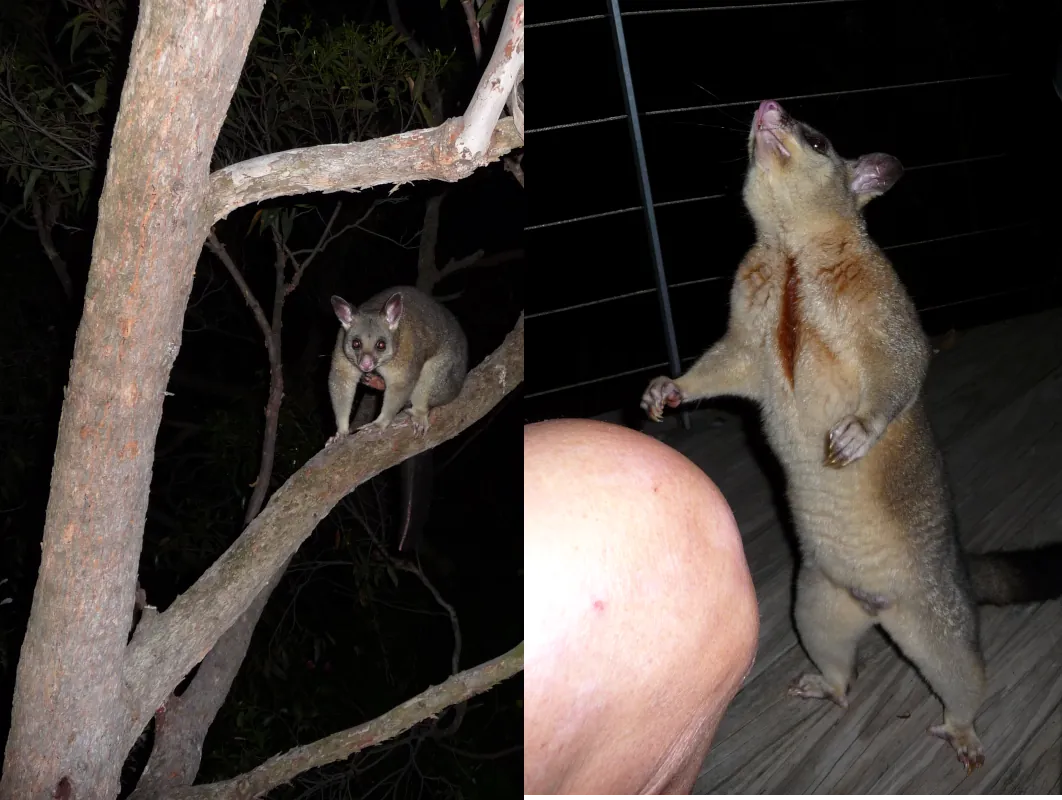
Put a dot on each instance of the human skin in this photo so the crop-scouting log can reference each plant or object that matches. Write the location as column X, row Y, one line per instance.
column 640, row 615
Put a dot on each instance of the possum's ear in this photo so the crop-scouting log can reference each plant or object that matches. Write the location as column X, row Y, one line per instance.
column 392, row 310
column 872, row 175
column 343, row 310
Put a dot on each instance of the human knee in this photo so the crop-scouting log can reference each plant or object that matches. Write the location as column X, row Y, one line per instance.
column 636, row 586
column 624, row 506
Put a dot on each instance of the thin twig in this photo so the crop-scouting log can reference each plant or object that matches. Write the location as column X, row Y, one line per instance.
column 301, row 268
column 218, row 249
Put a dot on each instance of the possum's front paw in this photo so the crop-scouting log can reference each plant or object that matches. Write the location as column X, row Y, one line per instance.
column 660, row 392
column 816, row 687
column 849, row 441
column 374, row 381
column 335, row 437
column 964, row 739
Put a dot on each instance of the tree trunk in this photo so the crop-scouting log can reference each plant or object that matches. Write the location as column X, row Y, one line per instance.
column 82, row 694
column 70, row 715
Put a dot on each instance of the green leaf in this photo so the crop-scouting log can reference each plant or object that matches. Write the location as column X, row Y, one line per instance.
column 442, row 3
column 84, row 180
column 80, row 35
column 485, row 10
column 418, row 86
column 81, row 92
column 99, row 98
column 286, row 221
column 64, row 181
column 28, row 190
column 426, row 113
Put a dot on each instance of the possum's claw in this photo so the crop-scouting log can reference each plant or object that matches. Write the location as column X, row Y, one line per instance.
column 816, row 687
column 849, row 440
column 964, row 740
column 660, row 392
column 372, row 380
column 421, row 422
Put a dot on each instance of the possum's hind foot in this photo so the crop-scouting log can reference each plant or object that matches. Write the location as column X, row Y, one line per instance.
column 816, row 687
column 964, row 739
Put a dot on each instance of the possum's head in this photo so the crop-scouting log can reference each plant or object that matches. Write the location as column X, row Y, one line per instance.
column 369, row 335
column 796, row 179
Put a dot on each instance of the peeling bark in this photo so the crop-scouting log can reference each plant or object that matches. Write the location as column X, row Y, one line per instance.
column 429, row 153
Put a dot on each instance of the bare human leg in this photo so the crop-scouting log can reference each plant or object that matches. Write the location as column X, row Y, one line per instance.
column 640, row 616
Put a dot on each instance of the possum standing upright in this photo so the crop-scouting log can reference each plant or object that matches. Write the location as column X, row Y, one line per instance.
column 417, row 347
column 823, row 336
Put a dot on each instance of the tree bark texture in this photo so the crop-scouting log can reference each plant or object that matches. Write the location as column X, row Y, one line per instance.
column 71, row 711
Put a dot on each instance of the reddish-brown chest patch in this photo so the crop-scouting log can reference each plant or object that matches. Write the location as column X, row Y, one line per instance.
column 789, row 320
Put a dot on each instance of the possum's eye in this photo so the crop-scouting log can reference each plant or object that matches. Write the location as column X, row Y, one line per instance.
column 381, row 345
column 816, row 141
column 355, row 344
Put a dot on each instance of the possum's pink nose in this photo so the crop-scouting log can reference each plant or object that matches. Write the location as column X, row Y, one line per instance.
column 770, row 117
column 769, row 114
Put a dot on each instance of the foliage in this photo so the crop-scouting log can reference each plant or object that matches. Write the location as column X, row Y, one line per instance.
column 302, row 86
column 341, row 84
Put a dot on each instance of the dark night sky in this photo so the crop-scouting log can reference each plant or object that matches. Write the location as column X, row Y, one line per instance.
column 998, row 127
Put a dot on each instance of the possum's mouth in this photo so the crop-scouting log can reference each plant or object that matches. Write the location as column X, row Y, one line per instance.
column 769, row 121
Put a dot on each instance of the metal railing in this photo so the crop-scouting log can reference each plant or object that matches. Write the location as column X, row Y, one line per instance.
column 648, row 206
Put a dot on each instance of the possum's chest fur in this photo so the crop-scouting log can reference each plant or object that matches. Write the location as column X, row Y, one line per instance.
column 801, row 320
column 808, row 366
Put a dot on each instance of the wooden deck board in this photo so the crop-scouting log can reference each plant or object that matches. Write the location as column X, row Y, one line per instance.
column 995, row 401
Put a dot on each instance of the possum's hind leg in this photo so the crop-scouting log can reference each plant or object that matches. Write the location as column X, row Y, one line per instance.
column 830, row 622
column 941, row 639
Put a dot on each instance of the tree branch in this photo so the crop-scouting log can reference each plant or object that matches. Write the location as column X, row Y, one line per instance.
column 182, row 635
column 473, row 29
column 45, row 223
column 338, row 746
column 301, row 268
column 276, row 384
column 423, row 154
column 218, row 249
column 427, row 272
column 498, row 81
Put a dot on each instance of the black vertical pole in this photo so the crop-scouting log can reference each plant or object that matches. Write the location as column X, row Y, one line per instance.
column 647, row 196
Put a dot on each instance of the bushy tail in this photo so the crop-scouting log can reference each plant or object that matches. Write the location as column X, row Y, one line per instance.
column 1017, row 576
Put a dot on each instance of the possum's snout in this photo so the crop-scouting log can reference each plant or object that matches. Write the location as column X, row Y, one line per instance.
column 770, row 121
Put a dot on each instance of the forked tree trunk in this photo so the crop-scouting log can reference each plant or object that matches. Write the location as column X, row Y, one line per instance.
column 82, row 694
column 67, row 732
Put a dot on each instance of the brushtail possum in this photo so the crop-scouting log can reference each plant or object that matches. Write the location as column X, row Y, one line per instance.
column 823, row 336
column 403, row 341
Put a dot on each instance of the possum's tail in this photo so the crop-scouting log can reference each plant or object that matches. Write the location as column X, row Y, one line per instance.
column 1017, row 576
column 416, row 477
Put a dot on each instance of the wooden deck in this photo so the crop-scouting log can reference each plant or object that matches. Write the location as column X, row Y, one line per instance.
column 995, row 398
